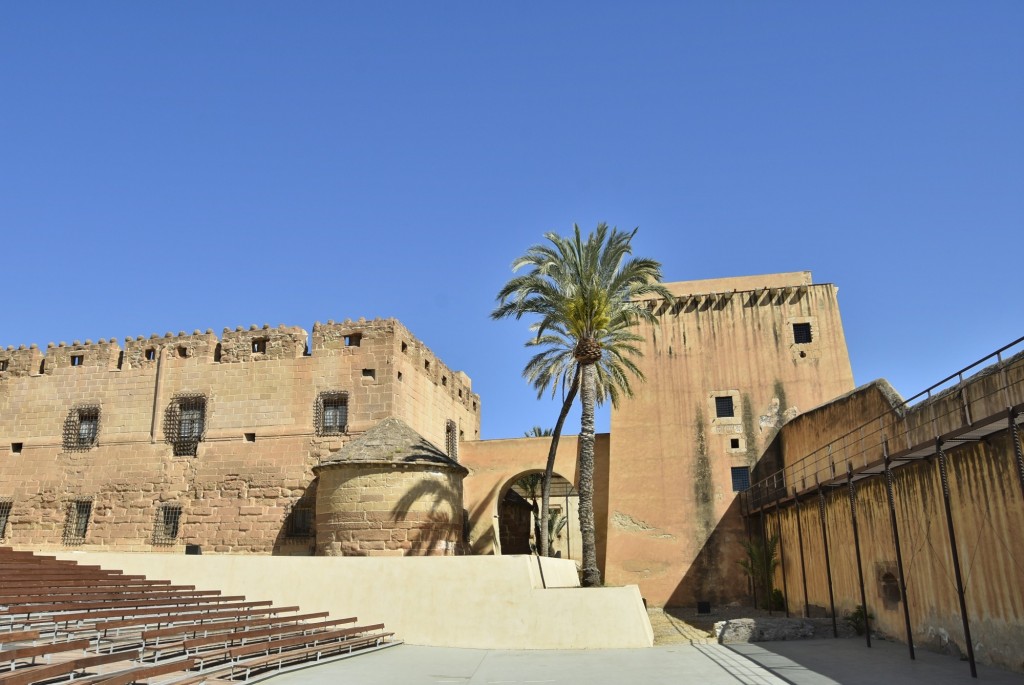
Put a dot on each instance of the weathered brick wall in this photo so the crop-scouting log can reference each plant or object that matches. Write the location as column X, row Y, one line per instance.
column 259, row 444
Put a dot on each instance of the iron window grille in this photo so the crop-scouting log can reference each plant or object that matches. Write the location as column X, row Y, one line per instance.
column 185, row 424
column 802, row 333
column 6, row 504
column 331, row 413
column 168, row 524
column 451, row 439
column 300, row 522
column 81, row 428
column 76, row 523
column 723, row 406
column 740, row 479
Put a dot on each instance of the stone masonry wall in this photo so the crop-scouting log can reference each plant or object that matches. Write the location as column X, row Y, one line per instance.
column 259, row 389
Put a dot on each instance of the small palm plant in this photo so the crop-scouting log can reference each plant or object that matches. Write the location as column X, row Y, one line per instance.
column 760, row 566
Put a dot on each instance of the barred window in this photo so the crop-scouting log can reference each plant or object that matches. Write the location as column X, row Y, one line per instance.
column 168, row 523
column 723, row 406
column 6, row 504
column 740, row 478
column 76, row 523
column 802, row 333
column 300, row 522
column 185, row 424
column 451, row 439
column 81, row 428
column 331, row 413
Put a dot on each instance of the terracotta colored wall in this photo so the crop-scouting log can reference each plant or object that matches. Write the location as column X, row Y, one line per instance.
column 674, row 526
column 494, row 465
column 986, row 501
column 236, row 492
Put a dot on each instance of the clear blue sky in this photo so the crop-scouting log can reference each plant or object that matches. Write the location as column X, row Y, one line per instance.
column 175, row 166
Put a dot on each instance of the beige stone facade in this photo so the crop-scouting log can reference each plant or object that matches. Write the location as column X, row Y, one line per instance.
column 205, row 440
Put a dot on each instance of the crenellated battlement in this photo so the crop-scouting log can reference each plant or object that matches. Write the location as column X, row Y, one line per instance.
column 379, row 341
column 141, row 352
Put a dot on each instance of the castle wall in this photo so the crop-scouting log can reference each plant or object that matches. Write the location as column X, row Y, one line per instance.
column 987, row 506
column 495, row 465
column 726, row 346
column 258, row 390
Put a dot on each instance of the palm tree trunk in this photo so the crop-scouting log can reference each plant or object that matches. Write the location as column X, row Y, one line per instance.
column 549, row 469
column 591, row 573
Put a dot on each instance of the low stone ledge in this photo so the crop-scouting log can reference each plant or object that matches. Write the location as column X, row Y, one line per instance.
column 740, row 630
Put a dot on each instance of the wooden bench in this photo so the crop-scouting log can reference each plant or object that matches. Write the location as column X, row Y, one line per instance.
column 309, row 653
column 128, row 604
column 197, row 617
column 34, row 674
column 132, row 675
column 30, row 595
column 11, row 656
column 208, row 628
column 253, row 636
column 18, row 636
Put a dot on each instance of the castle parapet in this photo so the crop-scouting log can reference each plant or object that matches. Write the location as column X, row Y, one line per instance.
column 256, row 344
column 103, row 355
column 141, row 352
column 20, row 362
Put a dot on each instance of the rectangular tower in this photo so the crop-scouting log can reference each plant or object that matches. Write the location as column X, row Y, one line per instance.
column 726, row 366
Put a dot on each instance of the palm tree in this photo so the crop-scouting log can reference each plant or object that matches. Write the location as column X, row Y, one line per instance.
column 588, row 295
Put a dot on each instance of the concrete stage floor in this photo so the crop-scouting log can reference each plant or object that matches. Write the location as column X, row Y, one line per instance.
column 805, row 662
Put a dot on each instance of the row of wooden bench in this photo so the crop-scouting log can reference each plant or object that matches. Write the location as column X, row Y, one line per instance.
column 62, row 620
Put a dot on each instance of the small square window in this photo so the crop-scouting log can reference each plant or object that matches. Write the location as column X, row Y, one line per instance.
column 723, row 406
column 259, row 345
column 370, row 373
column 802, row 333
column 734, row 443
column 332, row 413
column 76, row 524
column 76, row 359
column 182, row 351
column 168, row 524
column 405, row 348
column 250, row 437
column 740, row 478
column 150, row 354
column 3, row 364
column 353, row 339
column 16, row 447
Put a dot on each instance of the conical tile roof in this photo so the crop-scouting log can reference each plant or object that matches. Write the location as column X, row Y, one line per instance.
column 392, row 441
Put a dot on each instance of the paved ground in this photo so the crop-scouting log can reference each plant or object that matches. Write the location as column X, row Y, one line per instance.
column 804, row 662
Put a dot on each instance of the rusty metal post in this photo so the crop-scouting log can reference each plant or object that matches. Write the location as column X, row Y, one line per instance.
column 763, row 518
column 750, row 541
column 828, row 564
column 896, row 544
column 1017, row 453
column 944, row 475
column 782, row 557
column 856, row 549
column 800, row 542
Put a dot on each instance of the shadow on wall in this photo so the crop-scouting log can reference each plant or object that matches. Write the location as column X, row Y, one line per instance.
column 433, row 529
column 487, row 543
column 297, row 535
column 715, row 574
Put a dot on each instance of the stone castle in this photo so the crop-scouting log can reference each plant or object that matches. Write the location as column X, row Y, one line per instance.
column 358, row 441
